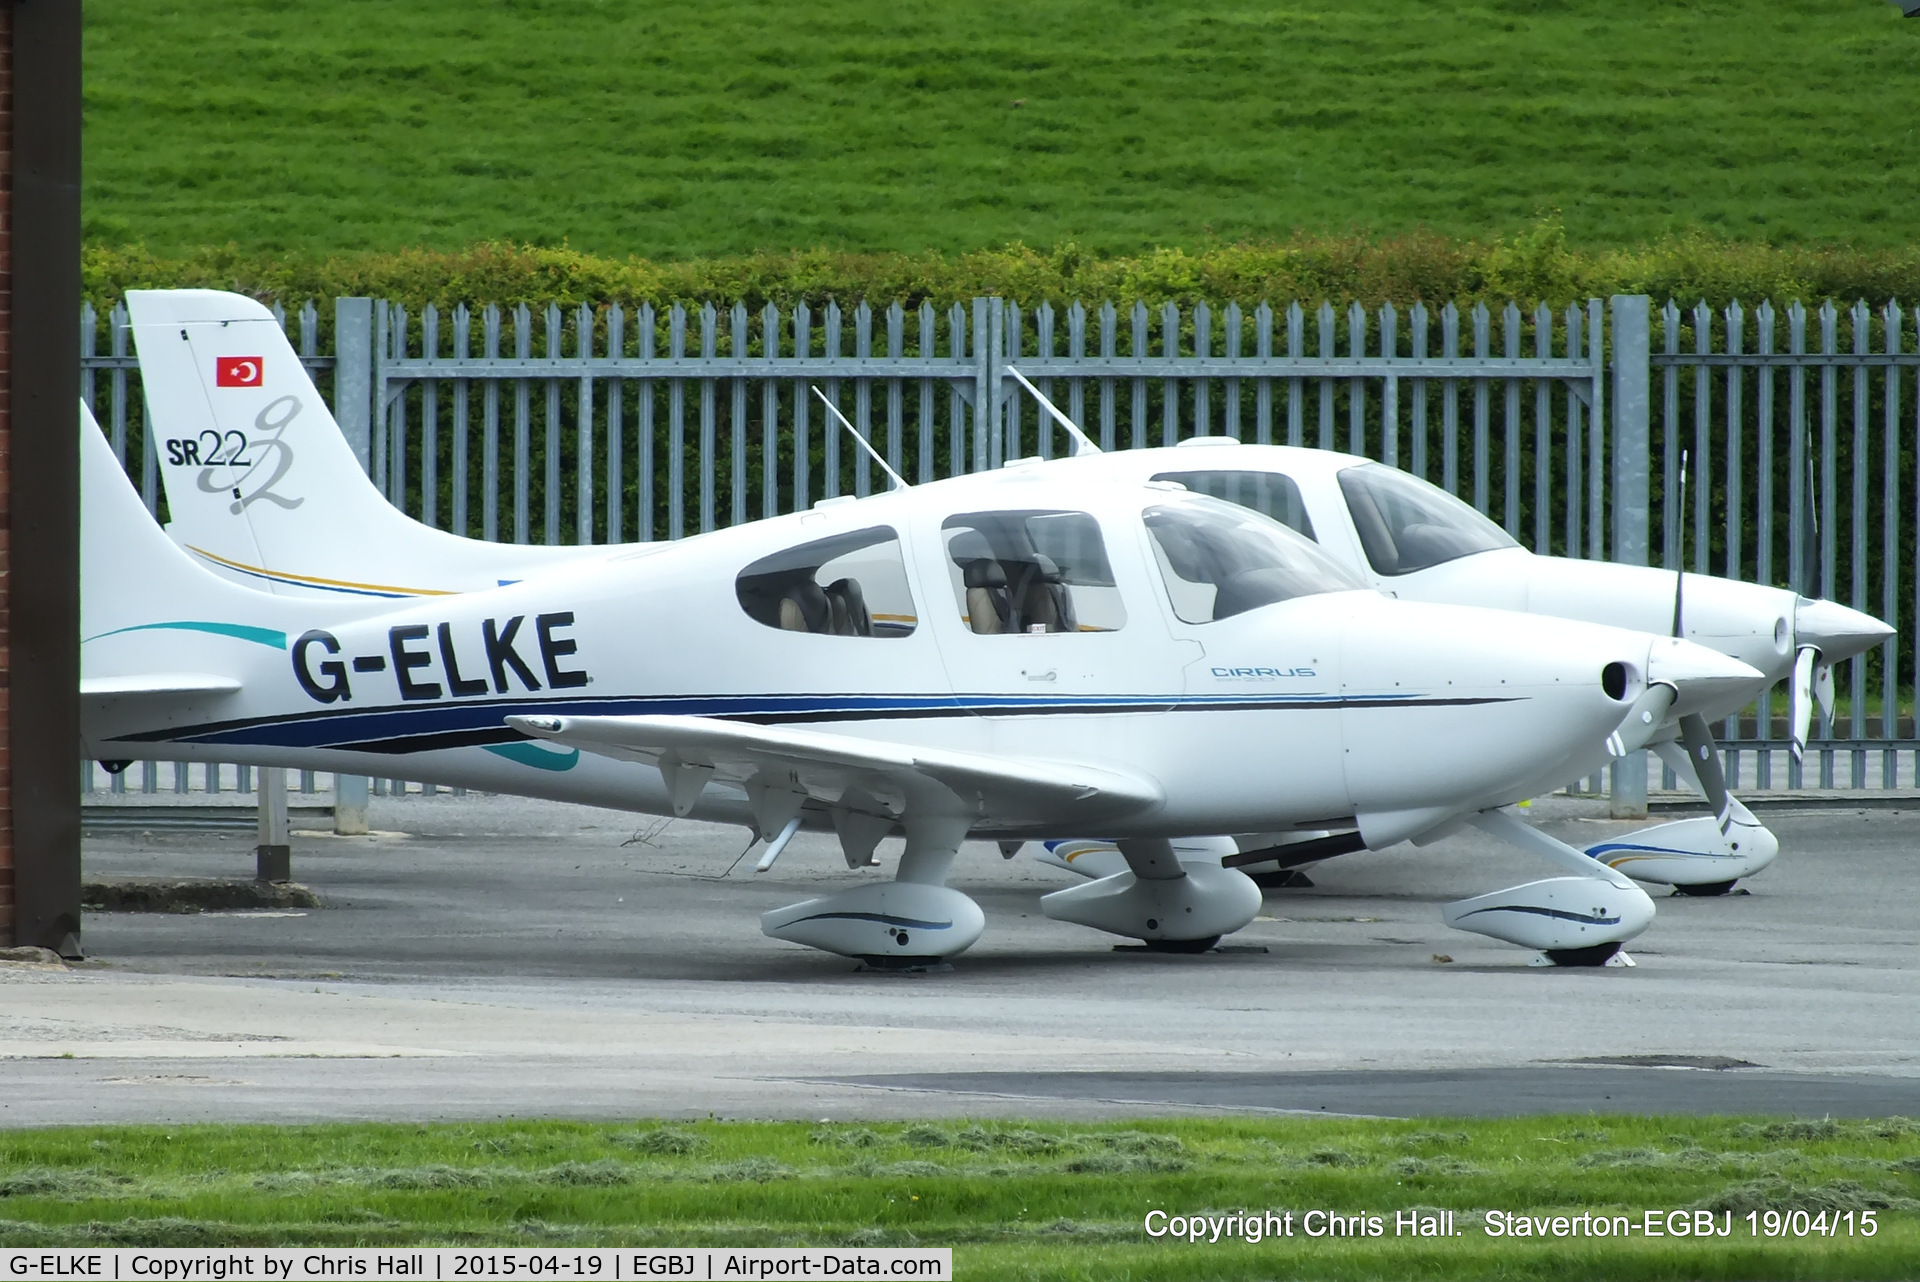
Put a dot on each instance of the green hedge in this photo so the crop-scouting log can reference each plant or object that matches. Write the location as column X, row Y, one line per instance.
column 1538, row 266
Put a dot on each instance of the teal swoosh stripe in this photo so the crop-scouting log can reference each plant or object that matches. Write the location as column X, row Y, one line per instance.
column 238, row 631
column 539, row 758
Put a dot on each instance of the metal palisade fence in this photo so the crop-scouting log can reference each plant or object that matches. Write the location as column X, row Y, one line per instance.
column 1567, row 425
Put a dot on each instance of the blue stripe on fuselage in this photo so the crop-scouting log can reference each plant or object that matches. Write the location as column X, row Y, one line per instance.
column 425, row 726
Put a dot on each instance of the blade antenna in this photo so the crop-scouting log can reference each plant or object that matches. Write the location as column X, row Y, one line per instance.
column 895, row 480
column 1680, row 539
column 1810, row 559
column 1082, row 443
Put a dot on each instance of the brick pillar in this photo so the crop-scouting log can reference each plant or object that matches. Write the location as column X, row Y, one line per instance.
column 6, row 481
column 40, row 475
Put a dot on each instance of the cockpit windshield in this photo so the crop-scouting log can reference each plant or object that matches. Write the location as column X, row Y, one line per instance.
column 1405, row 524
column 1219, row 560
column 1268, row 493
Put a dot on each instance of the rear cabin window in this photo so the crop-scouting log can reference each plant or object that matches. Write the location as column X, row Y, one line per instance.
column 849, row 585
column 1268, row 493
column 1031, row 571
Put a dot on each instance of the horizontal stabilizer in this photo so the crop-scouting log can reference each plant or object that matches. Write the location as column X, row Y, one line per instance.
column 157, row 685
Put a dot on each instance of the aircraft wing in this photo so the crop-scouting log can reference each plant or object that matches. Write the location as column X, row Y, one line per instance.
column 827, row 767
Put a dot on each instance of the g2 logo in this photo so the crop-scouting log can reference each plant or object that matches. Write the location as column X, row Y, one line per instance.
column 225, row 451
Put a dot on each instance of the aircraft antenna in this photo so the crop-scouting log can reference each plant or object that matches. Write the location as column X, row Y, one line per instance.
column 897, row 481
column 1082, row 443
column 1680, row 545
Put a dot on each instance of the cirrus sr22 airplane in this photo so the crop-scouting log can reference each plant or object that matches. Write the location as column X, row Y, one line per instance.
column 828, row 670
column 280, row 503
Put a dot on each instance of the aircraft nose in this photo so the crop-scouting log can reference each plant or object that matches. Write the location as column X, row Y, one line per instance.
column 1704, row 677
column 1839, row 633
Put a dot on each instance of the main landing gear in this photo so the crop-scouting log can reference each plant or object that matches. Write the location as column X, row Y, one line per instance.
column 1173, row 896
column 915, row 920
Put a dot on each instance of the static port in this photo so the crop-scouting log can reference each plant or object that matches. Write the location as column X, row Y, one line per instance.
column 1613, row 679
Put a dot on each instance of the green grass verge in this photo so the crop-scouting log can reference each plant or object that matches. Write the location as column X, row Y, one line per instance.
column 1016, row 1200
column 674, row 131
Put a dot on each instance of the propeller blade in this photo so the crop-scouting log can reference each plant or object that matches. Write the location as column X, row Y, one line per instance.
column 1800, row 699
column 1698, row 741
column 1823, row 688
column 1809, row 585
column 1642, row 720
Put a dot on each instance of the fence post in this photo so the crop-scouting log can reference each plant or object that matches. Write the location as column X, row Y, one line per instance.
column 353, row 375
column 353, row 410
column 1632, row 456
column 350, row 805
column 986, row 384
column 273, row 856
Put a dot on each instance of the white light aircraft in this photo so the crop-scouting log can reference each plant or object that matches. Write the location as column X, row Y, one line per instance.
column 845, row 669
column 302, row 518
column 1416, row 542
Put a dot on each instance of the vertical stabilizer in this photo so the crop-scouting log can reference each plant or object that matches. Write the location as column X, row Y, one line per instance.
column 155, row 626
column 262, row 486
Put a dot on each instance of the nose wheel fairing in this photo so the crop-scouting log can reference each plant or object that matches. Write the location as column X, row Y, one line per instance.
column 1692, row 852
column 1577, row 919
column 1705, row 851
column 1558, row 914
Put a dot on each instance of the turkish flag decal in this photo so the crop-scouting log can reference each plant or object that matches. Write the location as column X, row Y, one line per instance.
column 238, row 371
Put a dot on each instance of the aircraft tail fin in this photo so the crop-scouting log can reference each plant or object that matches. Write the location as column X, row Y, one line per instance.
column 253, row 463
column 261, row 485
column 129, row 572
column 155, row 627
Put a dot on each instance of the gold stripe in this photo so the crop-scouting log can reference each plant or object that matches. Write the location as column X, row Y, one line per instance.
column 319, row 582
column 1636, row 857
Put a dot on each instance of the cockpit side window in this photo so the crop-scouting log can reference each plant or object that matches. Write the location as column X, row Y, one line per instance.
column 1406, row 524
column 1268, row 493
column 1031, row 571
column 1218, row 560
column 848, row 585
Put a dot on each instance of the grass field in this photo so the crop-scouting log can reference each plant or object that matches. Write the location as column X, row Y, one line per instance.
column 738, row 125
column 1015, row 1200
